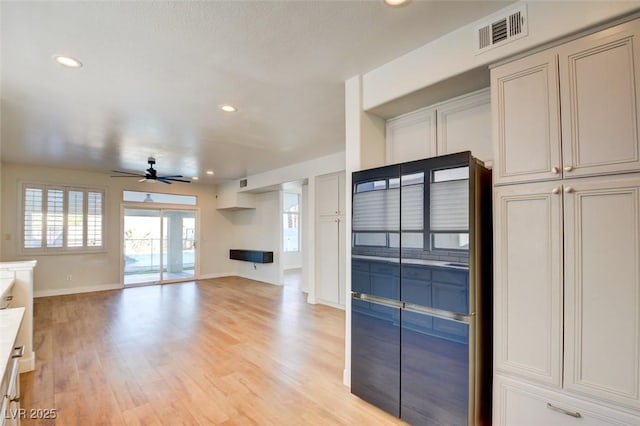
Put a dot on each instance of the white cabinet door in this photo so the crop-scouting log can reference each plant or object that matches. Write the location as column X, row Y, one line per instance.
column 328, row 261
column 528, row 281
column 526, row 119
column 520, row 404
column 464, row 124
column 602, row 288
column 330, row 194
column 600, row 90
column 411, row 136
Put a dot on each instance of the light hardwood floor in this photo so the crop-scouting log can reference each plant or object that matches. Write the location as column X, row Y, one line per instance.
column 224, row 351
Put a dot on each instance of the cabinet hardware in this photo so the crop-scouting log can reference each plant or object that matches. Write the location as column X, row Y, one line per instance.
column 568, row 168
column 563, row 411
column 555, row 170
column 18, row 352
column 555, row 191
column 8, row 298
column 569, row 190
column 15, row 399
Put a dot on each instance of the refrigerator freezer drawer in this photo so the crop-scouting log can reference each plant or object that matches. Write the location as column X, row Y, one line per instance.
column 375, row 358
column 434, row 373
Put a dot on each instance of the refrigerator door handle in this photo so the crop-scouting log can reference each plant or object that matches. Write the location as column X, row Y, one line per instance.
column 439, row 313
column 377, row 300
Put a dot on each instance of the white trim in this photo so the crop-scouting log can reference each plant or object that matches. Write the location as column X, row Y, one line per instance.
column 27, row 363
column 76, row 290
column 346, row 377
column 216, row 275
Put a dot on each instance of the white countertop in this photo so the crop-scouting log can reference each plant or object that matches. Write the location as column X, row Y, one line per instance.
column 438, row 263
column 10, row 320
column 5, row 283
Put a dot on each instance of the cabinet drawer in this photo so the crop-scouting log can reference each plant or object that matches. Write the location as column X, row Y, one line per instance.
column 522, row 404
column 359, row 265
column 422, row 273
column 392, row 269
column 450, row 277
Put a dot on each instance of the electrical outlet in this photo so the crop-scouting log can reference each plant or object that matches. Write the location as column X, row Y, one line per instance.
column 255, row 266
column 69, row 277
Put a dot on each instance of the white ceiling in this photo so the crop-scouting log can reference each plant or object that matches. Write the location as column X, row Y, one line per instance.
column 155, row 72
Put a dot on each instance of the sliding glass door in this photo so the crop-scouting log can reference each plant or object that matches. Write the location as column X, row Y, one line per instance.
column 159, row 245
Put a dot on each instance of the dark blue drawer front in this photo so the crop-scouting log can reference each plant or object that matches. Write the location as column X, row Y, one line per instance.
column 434, row 375
column 360, row 277
column 375, row 355
column 385, row 286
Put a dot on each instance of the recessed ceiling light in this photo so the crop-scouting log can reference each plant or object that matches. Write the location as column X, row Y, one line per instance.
column 210, row 172
column 395, row 2
column 228, row 108
column 195, row 178
column 68, row 61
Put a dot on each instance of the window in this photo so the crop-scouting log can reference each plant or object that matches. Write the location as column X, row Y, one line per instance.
column 376, row 212
column 450, row 209
column 291, row 222
column 59, row 218
column 159, row 198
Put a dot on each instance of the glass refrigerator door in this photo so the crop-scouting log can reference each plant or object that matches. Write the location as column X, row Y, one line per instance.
column 435, row 372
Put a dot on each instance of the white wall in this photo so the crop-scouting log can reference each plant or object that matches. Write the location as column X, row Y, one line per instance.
column 257, row 229
column 455, row 53
column 305, row 171
column 102, row 270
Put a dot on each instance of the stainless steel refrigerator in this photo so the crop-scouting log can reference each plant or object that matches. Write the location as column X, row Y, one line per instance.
column 421, row 290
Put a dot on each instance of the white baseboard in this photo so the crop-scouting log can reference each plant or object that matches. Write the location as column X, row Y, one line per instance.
column 216, row 275
column 346, row 378
column 76, row 290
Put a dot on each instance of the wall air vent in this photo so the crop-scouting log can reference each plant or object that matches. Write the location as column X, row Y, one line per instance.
column 500, row 29
column 243, row 183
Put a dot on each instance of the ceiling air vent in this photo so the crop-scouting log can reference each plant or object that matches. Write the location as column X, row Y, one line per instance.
column 500, row 29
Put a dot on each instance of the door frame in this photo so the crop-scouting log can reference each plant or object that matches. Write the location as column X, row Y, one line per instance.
column 161, row 207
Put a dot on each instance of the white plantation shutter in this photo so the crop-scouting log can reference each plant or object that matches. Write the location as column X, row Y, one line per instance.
column 75, row 219
column 58, row 218
column 449, row 210
column 94, row 219
column 33, row 215
column 55, row 217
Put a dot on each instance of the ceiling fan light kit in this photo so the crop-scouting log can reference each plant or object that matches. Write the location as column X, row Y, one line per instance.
column 151, row 175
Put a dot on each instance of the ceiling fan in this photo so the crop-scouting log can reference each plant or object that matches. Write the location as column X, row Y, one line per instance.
column 151, row 175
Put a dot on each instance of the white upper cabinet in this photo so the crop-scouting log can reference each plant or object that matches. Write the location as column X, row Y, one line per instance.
column 456, row 125
column 330, row 194
column 464, row 124
column 411, row 136
column 526, row 119
column 599, row 92
column 528, row 281
column 593, row 83
column 602, row 288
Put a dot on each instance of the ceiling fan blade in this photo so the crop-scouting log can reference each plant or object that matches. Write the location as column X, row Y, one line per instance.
column 175, row 180
column 170, row 177
column 127, row 176
column 125, row 173
column 143, row 180
column 163, row 181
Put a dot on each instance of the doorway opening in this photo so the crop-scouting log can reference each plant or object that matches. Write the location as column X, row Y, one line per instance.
column 159, row 245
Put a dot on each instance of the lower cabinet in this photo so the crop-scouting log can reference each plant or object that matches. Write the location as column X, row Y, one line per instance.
column 330, row 261
column 517, row 403
column 567, row 298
